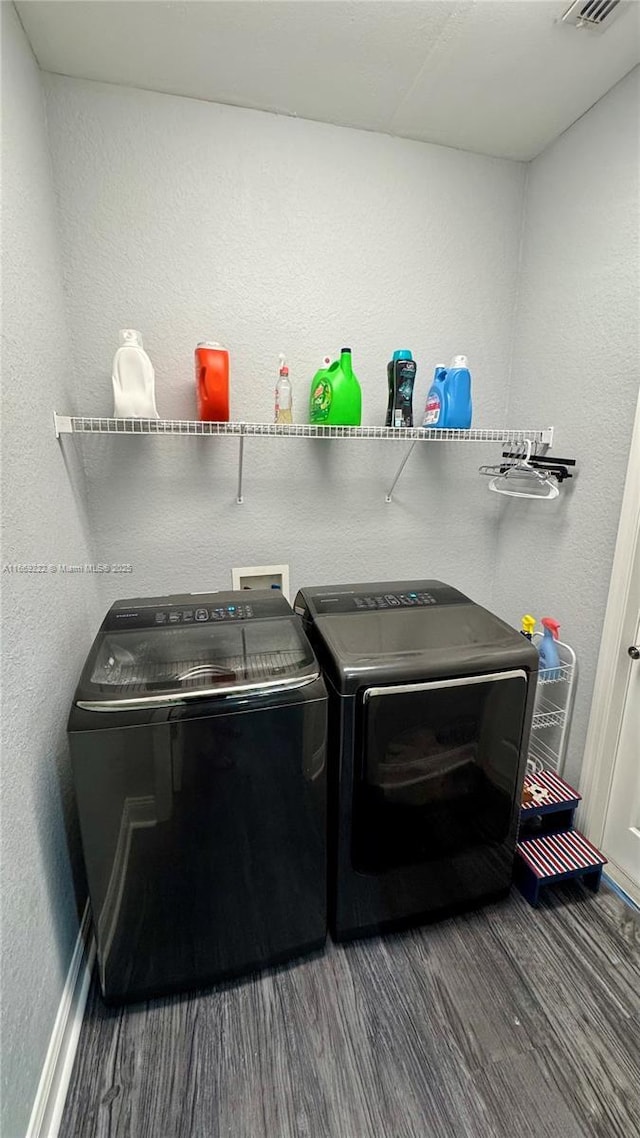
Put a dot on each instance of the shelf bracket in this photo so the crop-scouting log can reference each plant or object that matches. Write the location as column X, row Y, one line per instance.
column 62, row 424
column 389, row 494
column 239, row 498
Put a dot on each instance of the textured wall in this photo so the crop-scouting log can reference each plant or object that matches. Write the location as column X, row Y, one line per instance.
column 190, row 220
column 46, row 622
column 576, row 363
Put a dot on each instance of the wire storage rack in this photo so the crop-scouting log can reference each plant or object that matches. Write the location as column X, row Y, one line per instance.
column 92, row 424
column 552, row 711
column 542, row 437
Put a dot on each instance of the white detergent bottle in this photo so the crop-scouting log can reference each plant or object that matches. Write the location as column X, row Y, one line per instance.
column 133, row 379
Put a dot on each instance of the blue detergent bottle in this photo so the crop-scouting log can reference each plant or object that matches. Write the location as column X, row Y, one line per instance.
column 449, row 398
column 548, row 650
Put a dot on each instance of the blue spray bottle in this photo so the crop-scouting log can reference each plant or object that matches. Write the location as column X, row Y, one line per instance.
column 449, row 399
column 548, row 650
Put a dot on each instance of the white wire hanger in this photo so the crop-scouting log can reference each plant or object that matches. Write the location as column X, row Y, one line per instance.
column 514, row 480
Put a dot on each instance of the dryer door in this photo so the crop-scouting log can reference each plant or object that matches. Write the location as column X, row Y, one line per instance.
column 440, row 768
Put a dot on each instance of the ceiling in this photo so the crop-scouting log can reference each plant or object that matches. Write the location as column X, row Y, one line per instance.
column 499, row 77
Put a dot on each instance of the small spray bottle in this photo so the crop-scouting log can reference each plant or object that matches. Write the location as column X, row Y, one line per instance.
column 528, row 625
column 549, row 655
column 283, row 410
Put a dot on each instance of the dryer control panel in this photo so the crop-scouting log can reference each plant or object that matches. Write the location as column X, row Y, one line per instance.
column 394, row 600
column 376, row 601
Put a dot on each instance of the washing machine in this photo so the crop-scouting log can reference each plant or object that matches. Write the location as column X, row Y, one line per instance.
column 198, row 747
column 430, row 706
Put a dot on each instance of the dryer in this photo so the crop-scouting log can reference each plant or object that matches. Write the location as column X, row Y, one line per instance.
column 197, row 738
column 430, row 706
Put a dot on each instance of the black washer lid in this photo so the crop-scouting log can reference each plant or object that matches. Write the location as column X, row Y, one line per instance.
column 144, row 663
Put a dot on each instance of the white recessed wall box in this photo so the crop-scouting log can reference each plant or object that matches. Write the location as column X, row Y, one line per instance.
column 262, row 577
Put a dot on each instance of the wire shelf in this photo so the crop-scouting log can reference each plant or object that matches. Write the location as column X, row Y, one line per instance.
column 552, row 711
column 547, row 719
column 87, row 424
column 564, row 674
column 543, row 752
column 92, row 425
column 547, row 714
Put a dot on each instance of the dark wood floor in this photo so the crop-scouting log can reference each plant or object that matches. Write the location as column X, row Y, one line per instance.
column 503, row 1023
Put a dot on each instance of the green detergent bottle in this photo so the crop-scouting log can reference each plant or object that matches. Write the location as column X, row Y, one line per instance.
column 336, row 398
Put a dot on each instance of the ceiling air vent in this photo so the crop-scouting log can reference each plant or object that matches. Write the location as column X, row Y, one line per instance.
column 597, row 14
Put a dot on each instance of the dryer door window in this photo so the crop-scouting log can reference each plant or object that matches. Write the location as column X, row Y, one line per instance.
column 440, row 768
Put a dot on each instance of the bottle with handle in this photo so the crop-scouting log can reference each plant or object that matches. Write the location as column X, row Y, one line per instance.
column 449, row 399
column 434, row 407
column 336, row 397
column 212, row 382
column 320, row 395
column 133, row 379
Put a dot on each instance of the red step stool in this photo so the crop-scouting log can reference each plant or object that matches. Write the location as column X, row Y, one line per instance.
column 548, row 804
column 556, row 857
column 549, row 849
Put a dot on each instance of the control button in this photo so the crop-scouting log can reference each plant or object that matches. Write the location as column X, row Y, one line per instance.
column 161, row 618
column 391, row 599
column 202, row 614
column 174, row 617
column 187, row 616
column 249, row 610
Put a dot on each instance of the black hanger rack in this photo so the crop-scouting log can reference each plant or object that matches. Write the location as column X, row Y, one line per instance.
column 558, row 467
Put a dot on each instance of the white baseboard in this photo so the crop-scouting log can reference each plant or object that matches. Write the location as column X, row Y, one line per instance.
column 54, row 1080
column 623, row 884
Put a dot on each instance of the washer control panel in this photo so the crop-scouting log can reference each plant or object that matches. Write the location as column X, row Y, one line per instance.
column 200, row 611
column 202, row 615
